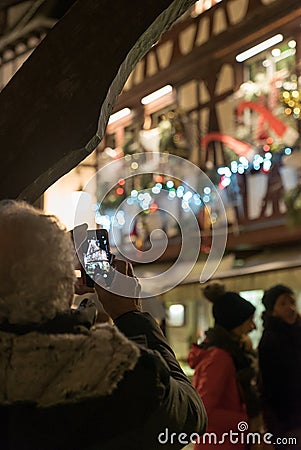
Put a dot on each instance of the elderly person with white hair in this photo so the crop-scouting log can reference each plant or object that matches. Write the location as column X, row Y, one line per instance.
column 65, row 385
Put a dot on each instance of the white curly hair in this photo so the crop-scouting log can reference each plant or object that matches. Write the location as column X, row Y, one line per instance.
column 36, row 264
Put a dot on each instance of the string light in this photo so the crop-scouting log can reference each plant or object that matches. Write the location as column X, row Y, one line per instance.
column 119, row 115
column 156, row 95
column 259, row 48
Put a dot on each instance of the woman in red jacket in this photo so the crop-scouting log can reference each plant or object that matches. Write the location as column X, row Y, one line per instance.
column 224, row 374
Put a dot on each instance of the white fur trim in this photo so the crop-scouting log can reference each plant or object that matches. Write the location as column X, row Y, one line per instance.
column 63, row 368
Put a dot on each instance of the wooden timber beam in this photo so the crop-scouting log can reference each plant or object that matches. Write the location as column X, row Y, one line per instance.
column 203, row 60
column 54, row 111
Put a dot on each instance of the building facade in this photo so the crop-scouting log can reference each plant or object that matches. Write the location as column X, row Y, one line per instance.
column 220, row 90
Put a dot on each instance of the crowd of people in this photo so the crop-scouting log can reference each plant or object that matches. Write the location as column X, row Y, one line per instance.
column 70, row 381
column 239, row 385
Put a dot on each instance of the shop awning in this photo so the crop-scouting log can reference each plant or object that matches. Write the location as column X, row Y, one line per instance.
column 262, row 276
column 260, row 273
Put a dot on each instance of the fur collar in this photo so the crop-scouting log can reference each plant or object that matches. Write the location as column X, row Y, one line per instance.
column 63, row 368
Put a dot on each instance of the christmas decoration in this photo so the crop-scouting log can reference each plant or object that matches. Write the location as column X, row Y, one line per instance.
column 174, row 134
column 239, row 147
column 287, row 133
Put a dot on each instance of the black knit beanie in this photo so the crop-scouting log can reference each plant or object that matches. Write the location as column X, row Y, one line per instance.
column 229, row 309
column 271, row 295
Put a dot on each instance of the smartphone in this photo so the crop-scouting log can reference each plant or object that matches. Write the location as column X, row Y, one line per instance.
column 97, row 256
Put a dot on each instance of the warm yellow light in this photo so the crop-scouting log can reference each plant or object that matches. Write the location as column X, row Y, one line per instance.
column 276, row 52
column 134, row 165
column 292, row 44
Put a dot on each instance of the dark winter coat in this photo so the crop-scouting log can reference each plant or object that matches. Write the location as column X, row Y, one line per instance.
column 280, row 366
column 93, row 389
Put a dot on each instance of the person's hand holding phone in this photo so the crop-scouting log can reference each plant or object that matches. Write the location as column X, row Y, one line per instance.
column 80, row 286
column 115, row 283
column 124, row 293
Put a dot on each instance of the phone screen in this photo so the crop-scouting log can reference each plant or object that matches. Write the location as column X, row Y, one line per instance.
column 97, row 257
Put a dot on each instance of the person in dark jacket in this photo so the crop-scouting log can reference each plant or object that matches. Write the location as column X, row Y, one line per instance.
column 280, row 363
column 224, row 372
column 65, row 385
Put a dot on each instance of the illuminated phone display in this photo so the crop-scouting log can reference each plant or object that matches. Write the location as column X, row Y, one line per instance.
column 97, row 257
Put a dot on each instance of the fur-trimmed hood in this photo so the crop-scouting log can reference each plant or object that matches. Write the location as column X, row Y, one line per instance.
column 53, row 369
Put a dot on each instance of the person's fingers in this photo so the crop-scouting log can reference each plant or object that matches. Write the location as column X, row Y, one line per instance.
column 130, row 270
column 80, row 235
column 120, row 266
column 138, row 290
column 124, row 267
column 80, row 289
column 138, row 285
column 81, row 228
